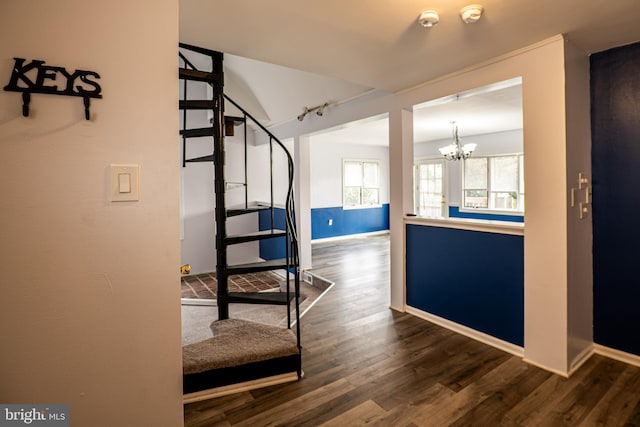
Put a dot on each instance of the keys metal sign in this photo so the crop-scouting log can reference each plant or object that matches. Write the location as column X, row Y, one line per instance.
column 36, row 77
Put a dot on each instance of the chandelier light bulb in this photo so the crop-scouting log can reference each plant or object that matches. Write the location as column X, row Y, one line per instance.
column 455, row 151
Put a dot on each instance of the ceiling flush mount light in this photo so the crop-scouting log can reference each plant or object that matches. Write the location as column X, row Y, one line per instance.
column 472, row 13
column 428, row 18
column 454, row 151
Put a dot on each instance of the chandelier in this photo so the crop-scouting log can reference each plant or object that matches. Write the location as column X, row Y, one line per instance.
column 454, row 151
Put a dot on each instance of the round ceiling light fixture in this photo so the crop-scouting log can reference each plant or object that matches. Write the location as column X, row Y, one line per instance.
column 471, row 13
column 428, row 18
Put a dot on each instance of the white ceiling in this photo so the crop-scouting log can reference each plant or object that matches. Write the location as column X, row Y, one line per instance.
column 305, row 53
column 379, row 44
column 494, row 108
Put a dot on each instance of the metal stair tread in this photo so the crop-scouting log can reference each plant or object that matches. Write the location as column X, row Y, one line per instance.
column 207, row 158
column 243, row 211
column 274, row 264
column 258, row 235
column 199, row 76
column 237, row 120
column 196, row 104
column 191, row 133
column 274, row 298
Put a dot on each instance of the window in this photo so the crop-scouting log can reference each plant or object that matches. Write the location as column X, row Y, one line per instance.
column 494, row 183
column 361, row 183
column 429, row 195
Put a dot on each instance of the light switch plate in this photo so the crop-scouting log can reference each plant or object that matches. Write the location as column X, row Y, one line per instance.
column 121, row 175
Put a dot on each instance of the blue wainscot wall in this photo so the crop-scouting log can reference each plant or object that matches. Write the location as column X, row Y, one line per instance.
column 454, row 212
column 472, row 278
column 345, row 222
column 272, row 248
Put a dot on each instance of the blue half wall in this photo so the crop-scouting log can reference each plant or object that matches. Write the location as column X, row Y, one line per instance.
column 472, row 278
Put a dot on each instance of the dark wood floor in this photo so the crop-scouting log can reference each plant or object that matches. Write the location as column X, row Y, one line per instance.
column 365, row 364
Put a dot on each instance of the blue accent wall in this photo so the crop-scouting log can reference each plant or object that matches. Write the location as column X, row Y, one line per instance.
column 345, row 222
column 615, row 158
column 272, row 248
column 472, row 278
column 348, row 221
column 454, row 212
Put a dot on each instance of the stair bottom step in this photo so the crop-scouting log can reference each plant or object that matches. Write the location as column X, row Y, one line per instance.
column 239, row 351
column 220, row 377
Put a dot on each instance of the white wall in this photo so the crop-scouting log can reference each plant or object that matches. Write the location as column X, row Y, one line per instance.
column 326, row 170
column 541, row 67
column 198, row 199
column 90, row 305
column 259, row 172
column 545, row 239
column 580, row 231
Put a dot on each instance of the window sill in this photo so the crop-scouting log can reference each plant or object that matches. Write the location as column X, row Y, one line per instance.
column 488, row 226
column 491, row 211
column 350, row 208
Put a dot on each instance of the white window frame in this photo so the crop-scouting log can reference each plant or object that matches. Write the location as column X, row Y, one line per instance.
column 361, row 206
column 519, row 211
column 445, row 183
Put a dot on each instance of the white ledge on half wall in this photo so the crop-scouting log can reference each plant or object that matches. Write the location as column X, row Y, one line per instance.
column 488, row 226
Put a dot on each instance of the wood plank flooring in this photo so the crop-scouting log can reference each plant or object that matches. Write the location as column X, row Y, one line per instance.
column 365, row 364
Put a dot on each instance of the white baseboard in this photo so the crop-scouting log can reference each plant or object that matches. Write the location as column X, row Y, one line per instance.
column 468, row 332
column 581, row 359
column 240, row 387
column 349, row 236
column 621, row 356
column 197, row 301
column 399, row 309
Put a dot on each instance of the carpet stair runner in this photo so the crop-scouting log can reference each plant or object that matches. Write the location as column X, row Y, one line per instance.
column 238, row 351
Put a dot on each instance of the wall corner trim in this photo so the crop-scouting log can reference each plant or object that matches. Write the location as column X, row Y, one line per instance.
column 546, row 368
column 581, row 359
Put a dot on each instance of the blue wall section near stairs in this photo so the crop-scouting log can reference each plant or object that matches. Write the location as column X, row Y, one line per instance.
column 272, row 248
column 348, row 221
column 344, row 223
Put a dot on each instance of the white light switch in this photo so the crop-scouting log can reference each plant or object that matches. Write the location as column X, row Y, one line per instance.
column 125, row 183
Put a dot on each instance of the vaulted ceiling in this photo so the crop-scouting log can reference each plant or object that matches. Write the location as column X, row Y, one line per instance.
column 342, row 48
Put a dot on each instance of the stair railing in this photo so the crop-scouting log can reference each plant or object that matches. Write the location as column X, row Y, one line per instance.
column 291, row 246
column 292, row 238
